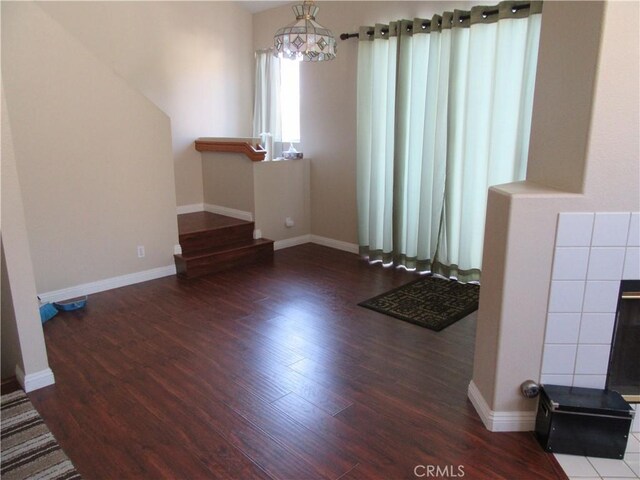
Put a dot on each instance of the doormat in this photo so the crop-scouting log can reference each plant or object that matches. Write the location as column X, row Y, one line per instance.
column 430, row 302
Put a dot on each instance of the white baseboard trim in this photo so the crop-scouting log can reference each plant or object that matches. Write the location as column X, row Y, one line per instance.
column 291, row 242
column 34, row 381
column 229, row 212
column 500, row 421
column 337, row 244
column 324, row 241
column 195, row 207
column 107, row 284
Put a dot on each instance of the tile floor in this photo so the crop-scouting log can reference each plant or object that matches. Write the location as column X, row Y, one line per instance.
column 592, row 468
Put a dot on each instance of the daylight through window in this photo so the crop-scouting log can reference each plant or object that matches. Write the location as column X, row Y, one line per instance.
column 290, row 100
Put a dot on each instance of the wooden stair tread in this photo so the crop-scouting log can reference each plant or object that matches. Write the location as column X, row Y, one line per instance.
column 225, row 248
column 220, row 258
column 211, row 243
column 197, row 222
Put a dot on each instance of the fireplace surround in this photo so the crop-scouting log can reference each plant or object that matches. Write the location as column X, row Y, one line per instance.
column 594, row 252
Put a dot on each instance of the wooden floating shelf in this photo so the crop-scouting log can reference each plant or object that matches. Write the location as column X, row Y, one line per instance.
column 254, row 153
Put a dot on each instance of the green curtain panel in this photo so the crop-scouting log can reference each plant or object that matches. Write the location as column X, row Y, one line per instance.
column 444, row 112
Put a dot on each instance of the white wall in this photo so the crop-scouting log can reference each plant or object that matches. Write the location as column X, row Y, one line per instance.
column 228, row 180
column 93, row 157
column 194, row 60
column 565, row 80
column 281, row 190
column 522, row 217
column 268, row 192
column 328, row 103
column 23, row 350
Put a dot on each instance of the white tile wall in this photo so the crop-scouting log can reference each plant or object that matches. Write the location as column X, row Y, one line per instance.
column 592, row 359
column 601, row 296
column 594, row 251
column 566, row 296
column 570, row 263
column 559, row 359
column 610, row 230
column 634, row 231
column 605, row 263
column 552, row 379
column 632, row 264
column 563, row 328
column 574, row 230
column 597, row 328
column 588, row 381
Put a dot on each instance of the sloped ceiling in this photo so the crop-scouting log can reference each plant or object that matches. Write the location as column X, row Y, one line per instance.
column 255, row 6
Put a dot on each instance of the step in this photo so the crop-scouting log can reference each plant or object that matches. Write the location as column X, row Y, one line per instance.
column 224, row 257
column 202, row 231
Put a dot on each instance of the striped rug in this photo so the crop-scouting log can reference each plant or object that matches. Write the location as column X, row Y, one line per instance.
column 29, row 450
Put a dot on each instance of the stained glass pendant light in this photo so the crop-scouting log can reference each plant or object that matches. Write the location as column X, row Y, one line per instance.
column 305, row 39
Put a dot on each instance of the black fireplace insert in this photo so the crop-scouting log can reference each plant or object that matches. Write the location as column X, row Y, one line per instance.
column 623, row 374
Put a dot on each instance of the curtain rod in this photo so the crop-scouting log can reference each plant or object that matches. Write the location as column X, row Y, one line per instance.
column 426, row 23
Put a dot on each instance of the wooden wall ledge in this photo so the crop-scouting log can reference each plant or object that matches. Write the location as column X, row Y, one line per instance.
column 250, row 147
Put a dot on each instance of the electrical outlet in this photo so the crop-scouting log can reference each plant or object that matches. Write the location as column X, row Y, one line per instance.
column 288, row 222
column 140, row 251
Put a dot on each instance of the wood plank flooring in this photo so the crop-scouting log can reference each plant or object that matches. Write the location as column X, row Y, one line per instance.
column 272, row 372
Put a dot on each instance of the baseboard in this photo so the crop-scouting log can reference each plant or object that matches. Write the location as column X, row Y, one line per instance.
column 107, row 284
column 34, row 381
column 229, row 212
column 324, row 241
column 291, row 242
column 500, row 421
column 337, row 244
column 196, row 207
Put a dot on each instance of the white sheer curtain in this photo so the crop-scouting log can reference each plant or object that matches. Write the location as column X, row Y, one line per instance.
column 491, row 107
column 266, row 107
column 375, row 131
column 444, row 111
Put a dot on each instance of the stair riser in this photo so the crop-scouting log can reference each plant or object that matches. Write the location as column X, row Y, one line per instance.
column 202, row 241
column 222, row 261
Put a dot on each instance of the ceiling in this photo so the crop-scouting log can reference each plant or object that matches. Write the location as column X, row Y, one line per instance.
column 255, row 6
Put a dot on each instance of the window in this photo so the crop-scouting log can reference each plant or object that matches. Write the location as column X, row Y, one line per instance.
column 290, row 100
column 277, row 100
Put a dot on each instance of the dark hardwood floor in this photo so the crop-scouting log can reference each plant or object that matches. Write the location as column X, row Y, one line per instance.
column 272, row 372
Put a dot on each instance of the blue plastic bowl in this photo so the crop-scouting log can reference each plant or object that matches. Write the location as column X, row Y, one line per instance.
column 73, row 304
